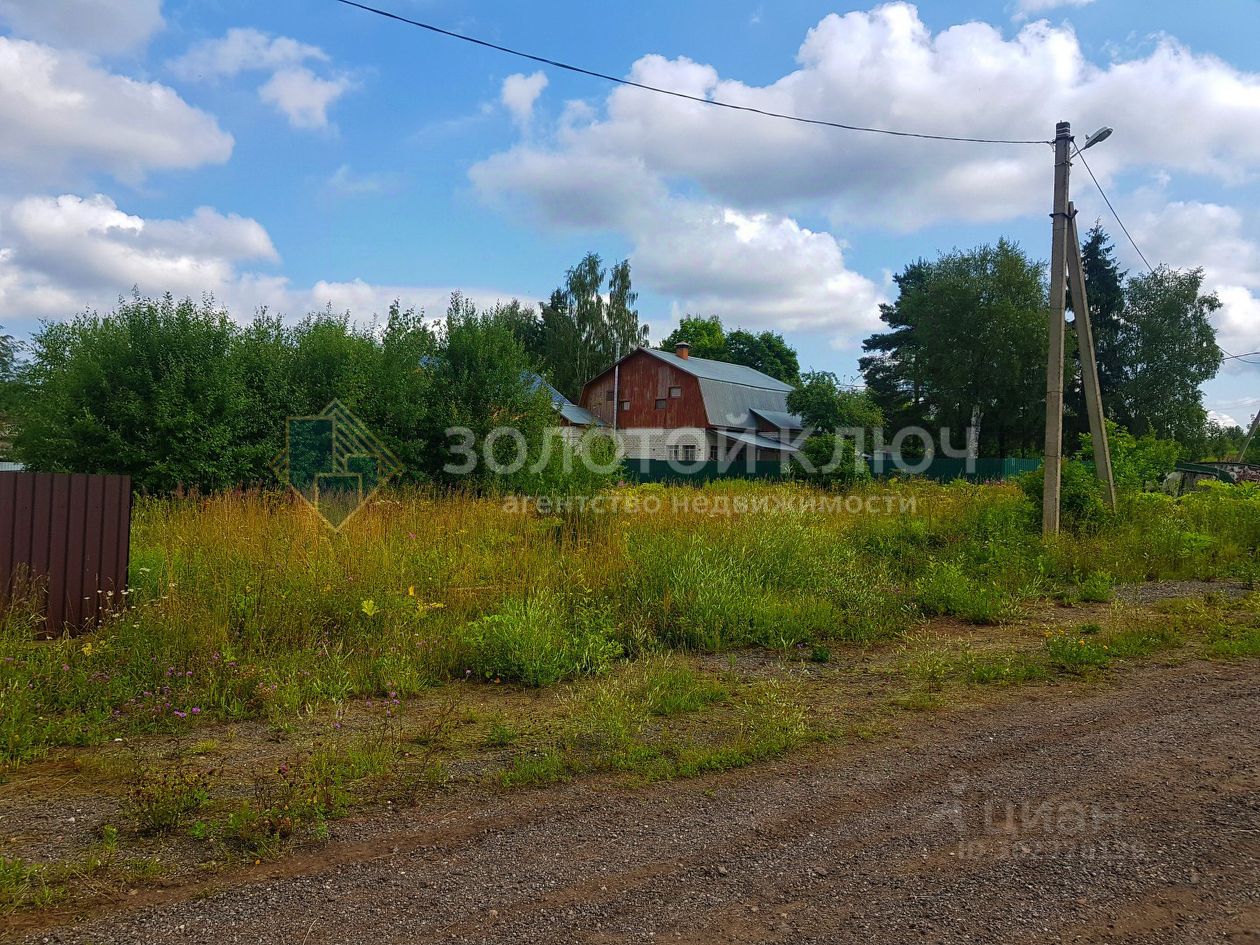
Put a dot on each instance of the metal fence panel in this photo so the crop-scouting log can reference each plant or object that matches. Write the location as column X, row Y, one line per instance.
column 68, row 533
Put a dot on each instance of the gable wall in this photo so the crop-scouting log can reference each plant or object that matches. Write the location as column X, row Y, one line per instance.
column 644, row 380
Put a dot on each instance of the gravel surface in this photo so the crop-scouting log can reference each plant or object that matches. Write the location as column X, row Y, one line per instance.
column 1152, row 591
column 1129, row 813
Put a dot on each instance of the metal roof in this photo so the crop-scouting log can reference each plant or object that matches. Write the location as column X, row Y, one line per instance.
column 723, row 371
column 784, row 421
column 761, row 442
column 578, row 416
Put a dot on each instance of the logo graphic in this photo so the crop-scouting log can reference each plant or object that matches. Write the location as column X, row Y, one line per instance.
column 334, row 463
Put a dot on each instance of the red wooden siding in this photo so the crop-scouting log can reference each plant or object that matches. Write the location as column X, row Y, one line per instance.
column 70, row 533
column 645, row 380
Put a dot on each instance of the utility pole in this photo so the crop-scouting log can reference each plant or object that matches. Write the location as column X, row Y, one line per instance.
column 1255, row 425
column 1054, row 362
column 1089, row 361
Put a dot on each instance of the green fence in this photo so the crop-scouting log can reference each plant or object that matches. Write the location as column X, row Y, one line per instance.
column 949, row 468
column 939, row 468
column 662, row 470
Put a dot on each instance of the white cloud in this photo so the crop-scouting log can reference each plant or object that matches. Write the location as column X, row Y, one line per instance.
column 62, row 113
column 293, row 89
column 100, row 26
column 1224, row 419
column 240, row 50
column 519, row 94
column 1024, row 9
column 346, row 182
column 60, row 255
column 680, row 178
column 885, row 68
column 758, row 270
column 1192, row 234
column 302, row 96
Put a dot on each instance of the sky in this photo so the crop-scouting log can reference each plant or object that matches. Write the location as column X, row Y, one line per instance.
column 301, row 153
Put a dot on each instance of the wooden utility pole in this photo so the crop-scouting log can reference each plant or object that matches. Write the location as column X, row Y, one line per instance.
column 1089, row 361
column 1054, row 361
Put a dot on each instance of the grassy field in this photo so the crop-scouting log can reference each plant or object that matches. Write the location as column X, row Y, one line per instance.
column 267, row 674
column 246, row 606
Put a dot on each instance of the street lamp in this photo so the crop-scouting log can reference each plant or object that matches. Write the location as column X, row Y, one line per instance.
column 1102, row 134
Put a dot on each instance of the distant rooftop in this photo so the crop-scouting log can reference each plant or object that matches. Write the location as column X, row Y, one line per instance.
column 723, row 371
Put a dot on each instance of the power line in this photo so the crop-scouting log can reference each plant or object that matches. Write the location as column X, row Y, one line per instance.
column 1107, row 201
column 673, row 92
column 1102, row 193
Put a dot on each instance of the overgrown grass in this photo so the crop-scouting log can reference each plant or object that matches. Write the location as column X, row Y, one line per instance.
column 636, row 723
column 244, row 606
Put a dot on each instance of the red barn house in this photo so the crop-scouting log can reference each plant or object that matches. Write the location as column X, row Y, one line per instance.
column 667, row 406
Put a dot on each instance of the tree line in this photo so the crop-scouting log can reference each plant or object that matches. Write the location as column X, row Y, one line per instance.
column 965, row 345
column 179, row 394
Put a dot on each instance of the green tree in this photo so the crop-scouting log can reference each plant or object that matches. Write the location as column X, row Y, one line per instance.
column 825, row 407
column 8, row 388
column 893, row 365
column 151, row 390
column 1171, row 348
column 479, row 380
column 583, row 331
column 766, row 352
column 967, row 347
column 1136, row 462
column 1224, row 442
column 1104, row 283
column 823, row 404
column 705, row 335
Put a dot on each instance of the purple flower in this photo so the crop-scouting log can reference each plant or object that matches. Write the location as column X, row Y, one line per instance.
column 196, row 710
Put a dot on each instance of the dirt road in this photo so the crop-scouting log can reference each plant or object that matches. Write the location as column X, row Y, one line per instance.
column 1129, row 813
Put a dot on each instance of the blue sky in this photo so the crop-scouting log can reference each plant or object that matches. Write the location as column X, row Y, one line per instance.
column 297, row 154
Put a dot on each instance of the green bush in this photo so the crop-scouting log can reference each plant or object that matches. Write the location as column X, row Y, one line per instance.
column 1080, row 494
column 946, row 589
column 541, row 640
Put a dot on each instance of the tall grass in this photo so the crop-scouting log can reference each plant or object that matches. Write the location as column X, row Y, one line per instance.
column 246, row 606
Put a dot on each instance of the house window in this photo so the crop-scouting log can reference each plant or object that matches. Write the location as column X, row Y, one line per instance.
column 608, row 394
column 673, row 452
column 625, row 405
column 675, row 392
column 689, row 453
column 713, row 454
column 660, row 404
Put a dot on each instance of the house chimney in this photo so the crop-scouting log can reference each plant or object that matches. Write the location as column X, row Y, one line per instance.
column 682, row 349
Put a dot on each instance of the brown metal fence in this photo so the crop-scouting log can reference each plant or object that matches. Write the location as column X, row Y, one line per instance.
column 68, row 534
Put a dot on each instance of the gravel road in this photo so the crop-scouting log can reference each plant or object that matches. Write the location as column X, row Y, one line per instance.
column 1129, row 813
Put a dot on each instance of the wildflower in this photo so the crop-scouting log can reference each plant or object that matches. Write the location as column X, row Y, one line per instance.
column 196, row 710
column 411, row 590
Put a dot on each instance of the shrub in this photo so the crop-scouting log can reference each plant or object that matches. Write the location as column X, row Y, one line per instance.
column 947, row 589
column 541, row 640
column 163, row 801
column 1074, row 653
column 1080, row 494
